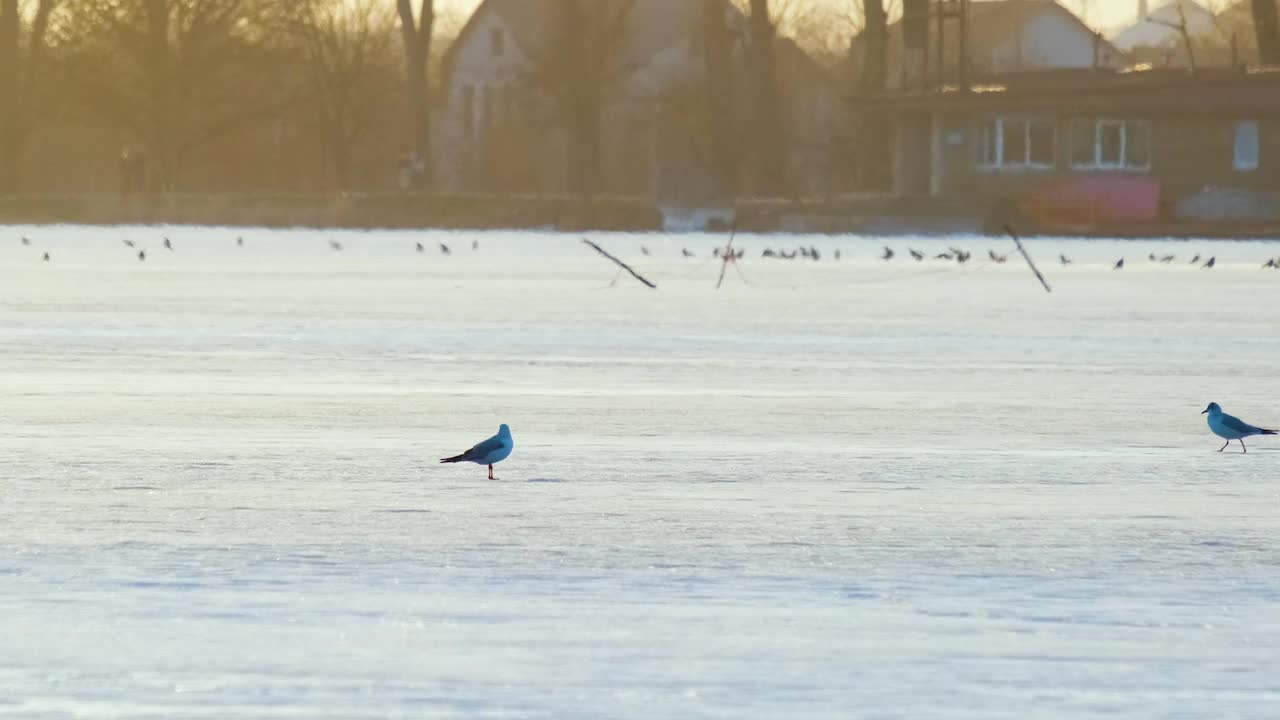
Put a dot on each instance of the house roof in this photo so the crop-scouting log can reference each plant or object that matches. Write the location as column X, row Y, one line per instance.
column 1160, row 27
column 1152, row 92
column 992, row 23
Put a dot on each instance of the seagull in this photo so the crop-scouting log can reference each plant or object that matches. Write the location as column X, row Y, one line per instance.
column 768, row 252
column 128, row 243
column 475, row 245
column 1211, row 262
column 1195, row 259
column 335, row 244
column 1168, row 258
column 997, row 259
column 419, row 247
column 1064, row 259
column 1270, row 263
column 168, row 245
column 47, row 258
column 444, row 249
column 686, row 252
column 490, row 452
column 813, row 253
column 26, row 240
column 142, row 256
column 240, row 242
column 943, row 256
column 1119, row 264
column 962, row 257
column 1231, row 428
column 644, row 251
column 888, row 253
column 916, row 254
column 1152, row 257
column 837, row 255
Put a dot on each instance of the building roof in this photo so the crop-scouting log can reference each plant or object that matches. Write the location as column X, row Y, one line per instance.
column 1150, row 92
column 1160, row 28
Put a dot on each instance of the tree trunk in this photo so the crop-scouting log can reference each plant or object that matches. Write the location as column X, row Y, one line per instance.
column 162, row 119
column 771, row 172
column 417, row 37
column 582, row 100
column 1267, row 27
column 10, row 102
column 719, row 81
column 875, row 136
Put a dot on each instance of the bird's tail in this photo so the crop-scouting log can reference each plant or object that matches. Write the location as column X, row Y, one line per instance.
column 1270, row 432
column 454, row 459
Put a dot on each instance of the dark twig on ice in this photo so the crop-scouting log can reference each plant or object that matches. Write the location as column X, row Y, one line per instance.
column 1027, row 257
column 619, row 263
column 728, row 256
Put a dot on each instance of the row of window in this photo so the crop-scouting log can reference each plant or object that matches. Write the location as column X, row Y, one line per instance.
column 1096, row 144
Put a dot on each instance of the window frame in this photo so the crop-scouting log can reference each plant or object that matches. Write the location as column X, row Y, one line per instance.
column 998, row 123
column 1122, row 162
column 1248, row 164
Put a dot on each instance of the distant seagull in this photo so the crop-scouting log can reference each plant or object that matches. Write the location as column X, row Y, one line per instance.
column 997, row 259
column 335, row 244
column 768, row 252
column 888, row 253
column 943, row 256
column 962, row 256
column 47, row 258
column 813, row 253
column 128, row 243
column 240, row 242
column 26, row 240
column 1210, row 263
column 475, row 245
column 1064, row 259
column 1152, row 257
column 142, row 256
column 1231, row 428
column 168, row 245
column 916, row 254
column 740, row 254
column 420, row 248
column 644, row 251
column 686, row 252
column 804, row 251
column 444, row 249
column 837, row 255
column 788, row 255
column 1270, row 263
column 1119, row 265
column 490, row 452
column 1195, row 259
column 715, row 252
column 1168, row 258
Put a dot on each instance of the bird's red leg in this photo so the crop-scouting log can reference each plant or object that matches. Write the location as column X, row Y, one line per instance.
column 490, row 472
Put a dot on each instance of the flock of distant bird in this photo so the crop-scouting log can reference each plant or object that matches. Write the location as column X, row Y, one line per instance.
column 952, row 254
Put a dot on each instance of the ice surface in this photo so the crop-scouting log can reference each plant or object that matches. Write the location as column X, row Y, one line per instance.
column 850, row 489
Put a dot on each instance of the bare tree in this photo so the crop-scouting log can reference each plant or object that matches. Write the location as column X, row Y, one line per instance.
column 771, row 170
column 875, row 60
column 1266, row 26
column 348, row 65
column 20, row 76
column 178, row 74
column 417, row 36
column 718, row 78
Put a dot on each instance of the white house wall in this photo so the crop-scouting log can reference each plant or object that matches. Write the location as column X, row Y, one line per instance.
column 1051, row 40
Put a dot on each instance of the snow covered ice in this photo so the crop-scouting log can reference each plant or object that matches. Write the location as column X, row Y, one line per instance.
column 849, row 489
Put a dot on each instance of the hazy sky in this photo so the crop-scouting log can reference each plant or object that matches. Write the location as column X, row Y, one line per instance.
column 1102, row 13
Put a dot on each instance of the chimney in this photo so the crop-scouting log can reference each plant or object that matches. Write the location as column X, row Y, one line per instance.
column 1144, row 12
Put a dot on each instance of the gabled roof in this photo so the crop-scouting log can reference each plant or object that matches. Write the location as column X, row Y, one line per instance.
column 1160, row 27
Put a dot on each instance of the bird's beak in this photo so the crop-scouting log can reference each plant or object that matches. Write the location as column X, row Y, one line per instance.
column 1204, row 411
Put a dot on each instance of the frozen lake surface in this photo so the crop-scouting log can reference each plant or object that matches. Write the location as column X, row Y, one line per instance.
column 849, row 489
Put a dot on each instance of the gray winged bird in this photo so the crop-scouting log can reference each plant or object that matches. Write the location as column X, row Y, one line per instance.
column 1229, row 427
column 490, row 452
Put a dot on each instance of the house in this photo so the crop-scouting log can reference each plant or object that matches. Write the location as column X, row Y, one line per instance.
column 1162, row 27
column 500, row 128
column 1004, row 36
column 1087, row 149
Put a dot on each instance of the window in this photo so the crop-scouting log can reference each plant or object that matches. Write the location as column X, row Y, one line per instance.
column 1017, row 142
column 1110, row 144
column 497, row 42
column 1246, row 145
